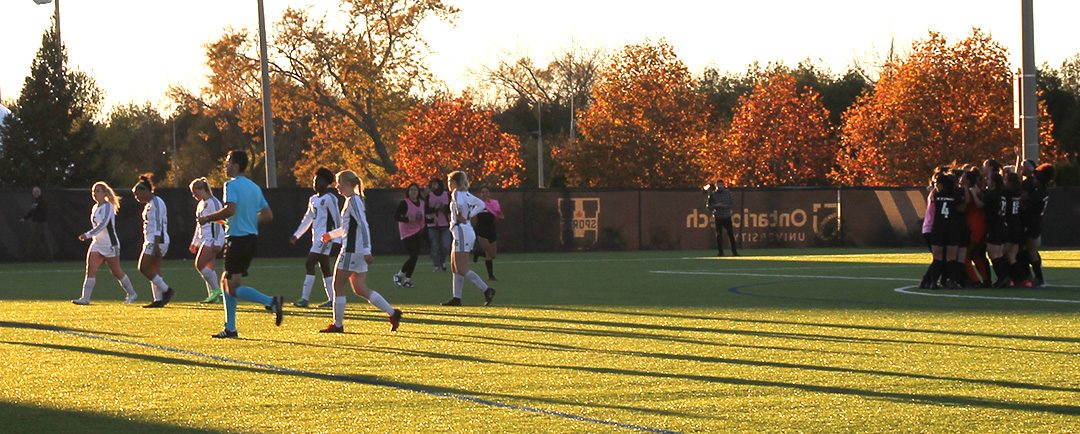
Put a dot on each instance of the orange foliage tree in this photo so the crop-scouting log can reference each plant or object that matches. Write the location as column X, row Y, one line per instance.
column 779, row 135
column 646, row 127
column 942, row 103
column 454, row 134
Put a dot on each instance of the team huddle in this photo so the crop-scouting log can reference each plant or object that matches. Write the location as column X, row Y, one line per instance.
column 991, row 211
column 231, row 226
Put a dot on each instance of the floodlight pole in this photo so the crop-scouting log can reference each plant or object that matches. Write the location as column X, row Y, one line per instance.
column 1029, row 122
column 539, row 144
column 268, row 114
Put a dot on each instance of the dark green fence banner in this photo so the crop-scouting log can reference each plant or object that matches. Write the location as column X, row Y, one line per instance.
column 557, row 220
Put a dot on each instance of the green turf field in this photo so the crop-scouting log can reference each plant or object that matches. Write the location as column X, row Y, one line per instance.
column 784, row 340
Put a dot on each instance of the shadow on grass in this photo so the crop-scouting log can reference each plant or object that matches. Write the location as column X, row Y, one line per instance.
column 22, row 418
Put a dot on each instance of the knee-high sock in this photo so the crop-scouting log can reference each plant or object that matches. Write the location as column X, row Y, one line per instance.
column 490, row 267
column 458, row 282
column 339, row 310
column 309, row 281
column 476, row 280
column 125, row 283
column 935, row 271
column 1036, row 266
column 211, row 278
column 230, row 312
column 253, row 295
column 161, row 286
column 88, row 288
column 328, row 284
column 1001, row 268
column 378, row 301
column 156, row 290
column 957, row 274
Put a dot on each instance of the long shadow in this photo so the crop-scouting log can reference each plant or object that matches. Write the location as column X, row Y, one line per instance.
column 675, row 338
column 893, row 396
column 730, row 361
column 52, row 328
column 22, row 418
column 352, row 378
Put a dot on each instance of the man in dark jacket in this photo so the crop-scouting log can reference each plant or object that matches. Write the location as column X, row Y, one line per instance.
column 38, row 215
column 721, row 202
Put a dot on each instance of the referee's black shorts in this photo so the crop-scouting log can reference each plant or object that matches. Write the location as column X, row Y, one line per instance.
column 239, row 251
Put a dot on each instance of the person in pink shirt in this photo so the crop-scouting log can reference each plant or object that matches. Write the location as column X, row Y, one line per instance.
column 486, row 235
column 437, row 209
column 410, row 218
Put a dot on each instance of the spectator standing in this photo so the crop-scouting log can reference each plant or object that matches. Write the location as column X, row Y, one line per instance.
column 38, row 216
column 721, row 202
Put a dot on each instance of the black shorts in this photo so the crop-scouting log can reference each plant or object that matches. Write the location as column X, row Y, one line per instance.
column 1033, row 228
column 997, row 234
column 944, row 237
column 1014, row 233
column 239, row 251
column 485, row 227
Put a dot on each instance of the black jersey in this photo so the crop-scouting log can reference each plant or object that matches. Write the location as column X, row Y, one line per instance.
column 1013, row 204
column 946, row 212
column 1035, row 199
column 994, row 203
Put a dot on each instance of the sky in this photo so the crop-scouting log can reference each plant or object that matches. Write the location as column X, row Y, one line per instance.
column 137, row 49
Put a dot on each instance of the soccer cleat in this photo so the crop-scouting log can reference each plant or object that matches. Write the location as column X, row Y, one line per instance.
column 735, row 254
column 329, row 303
column 1040, row 284
column 155, row 304
column 301, row 303
column 492, row 278
column 395, row 319
column 225, row 334
column 719, row 253
column 489, row 296
column 453, row 302
column 80, row 302
column 399, row 279
column 1026, row 283
column 214, row 297
column 166, row 296
column 407, row 283
column 333, row 329
column 277, row 306
column 436, row 270
column 131, row 298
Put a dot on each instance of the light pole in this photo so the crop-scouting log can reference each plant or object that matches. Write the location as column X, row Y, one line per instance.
column 268, row 114
column 1030, row 116
column 539, row 145
column 56, row 15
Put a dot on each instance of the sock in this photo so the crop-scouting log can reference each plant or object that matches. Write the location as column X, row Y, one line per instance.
column 253, row 295
column 230, row 312
column 87, row 288
column 476, row 280
column 378, row 301
column 155, row 290
column 211, row 278
column 126, row 284
column 936, row 269
column 1000, row 269
column 328, row 284
column 957, row 274
column 1036, row 266
column 309, row 281
column 339, row 311
column 162, row 286
column 459, row 281
column 1015, row 272
column 490, row 267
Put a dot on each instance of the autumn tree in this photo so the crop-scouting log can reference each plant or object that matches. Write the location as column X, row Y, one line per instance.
column 941, row 103
column 646, row 125
column 779, row 135
column 454, row 134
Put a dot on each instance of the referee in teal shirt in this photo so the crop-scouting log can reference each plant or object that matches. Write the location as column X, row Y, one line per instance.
column 245, row 208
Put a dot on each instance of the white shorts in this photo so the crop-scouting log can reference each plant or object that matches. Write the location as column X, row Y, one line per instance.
column 148, row 248
column 464, row 238
column 320, row 248
column 353, row 262
column 208, row 243
column 105, row 250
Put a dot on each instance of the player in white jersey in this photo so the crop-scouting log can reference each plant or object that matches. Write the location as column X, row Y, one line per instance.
column 463, row 207
column 209, row 238
column 104, row 244
column 322, row 216
column 155, row 239
column 352, row 263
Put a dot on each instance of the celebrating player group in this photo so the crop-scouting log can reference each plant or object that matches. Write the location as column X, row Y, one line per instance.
column 231, row 226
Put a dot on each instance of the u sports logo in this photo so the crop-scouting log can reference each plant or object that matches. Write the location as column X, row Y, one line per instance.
column 584, row 219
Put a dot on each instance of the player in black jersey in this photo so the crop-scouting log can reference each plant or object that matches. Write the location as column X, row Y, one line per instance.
column 945, row 235
column 1034, row 201
column 996, row 231
column 1014, row 233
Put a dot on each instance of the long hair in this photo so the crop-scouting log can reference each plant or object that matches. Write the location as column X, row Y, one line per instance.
column 110, row 195
column 146, row 182
column 458, row 177
column 351, row 178
column 201, row 184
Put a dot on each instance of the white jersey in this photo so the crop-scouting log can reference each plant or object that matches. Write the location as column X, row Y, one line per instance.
column 155, row 221
column 211, row 233
column 354, row 228
column 322, row 216
column 103, row 226
column 463, row 207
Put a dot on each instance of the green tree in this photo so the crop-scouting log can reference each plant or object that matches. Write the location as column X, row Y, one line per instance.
column 49, row 136
column 135, row 139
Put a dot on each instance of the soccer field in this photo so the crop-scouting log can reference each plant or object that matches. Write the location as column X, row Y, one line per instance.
column 820, row 340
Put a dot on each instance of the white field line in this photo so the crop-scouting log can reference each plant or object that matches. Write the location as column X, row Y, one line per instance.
column 908, row 290
column 792, row 276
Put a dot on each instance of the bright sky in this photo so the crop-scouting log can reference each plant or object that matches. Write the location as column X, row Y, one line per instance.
column 136, row 49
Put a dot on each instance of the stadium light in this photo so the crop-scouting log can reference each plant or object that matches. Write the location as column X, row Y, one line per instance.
column 56, row 13
column 268, row 114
